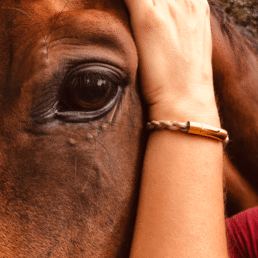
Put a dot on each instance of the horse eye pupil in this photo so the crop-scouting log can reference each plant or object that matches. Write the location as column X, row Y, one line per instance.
column 89, row 92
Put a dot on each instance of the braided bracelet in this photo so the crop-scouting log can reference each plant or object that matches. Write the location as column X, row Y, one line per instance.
column 191, row 128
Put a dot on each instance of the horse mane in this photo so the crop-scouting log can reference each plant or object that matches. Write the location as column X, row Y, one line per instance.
column 240, row 38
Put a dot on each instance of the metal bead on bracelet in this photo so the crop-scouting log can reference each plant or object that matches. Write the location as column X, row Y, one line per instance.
column 192, row 128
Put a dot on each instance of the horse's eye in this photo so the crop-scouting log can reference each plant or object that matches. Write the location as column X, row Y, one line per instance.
column 87, row 94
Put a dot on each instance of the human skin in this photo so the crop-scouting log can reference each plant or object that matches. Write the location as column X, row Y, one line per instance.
column 180, row 211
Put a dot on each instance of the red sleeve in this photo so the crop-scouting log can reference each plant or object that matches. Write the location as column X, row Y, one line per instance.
column 242, row 234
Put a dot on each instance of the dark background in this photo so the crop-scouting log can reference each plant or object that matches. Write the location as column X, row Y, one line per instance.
column 243, row 12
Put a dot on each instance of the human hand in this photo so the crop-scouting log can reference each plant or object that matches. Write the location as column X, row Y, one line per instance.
column 174, row 43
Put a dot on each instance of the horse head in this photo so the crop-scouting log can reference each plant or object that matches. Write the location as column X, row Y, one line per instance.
column 71, row 133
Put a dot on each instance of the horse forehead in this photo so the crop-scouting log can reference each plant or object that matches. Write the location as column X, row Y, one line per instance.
column 45, row 16
column 116, row 7
column 25, row 23
column 59, row 5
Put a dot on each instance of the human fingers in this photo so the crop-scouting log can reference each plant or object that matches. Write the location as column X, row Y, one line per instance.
column 173, row 39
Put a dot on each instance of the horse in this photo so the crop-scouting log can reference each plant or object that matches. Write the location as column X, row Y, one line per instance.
column 73, row 125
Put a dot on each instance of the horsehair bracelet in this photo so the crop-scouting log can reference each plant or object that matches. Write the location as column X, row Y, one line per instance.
column 191, row 128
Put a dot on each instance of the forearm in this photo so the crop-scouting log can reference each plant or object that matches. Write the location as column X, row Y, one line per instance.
column 181, row 212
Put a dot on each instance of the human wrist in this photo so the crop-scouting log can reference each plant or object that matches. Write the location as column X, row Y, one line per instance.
column 201, row 112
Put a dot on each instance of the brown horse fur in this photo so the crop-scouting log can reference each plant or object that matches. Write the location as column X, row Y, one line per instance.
column 67, row 189
column 70, row 189
column 235, row 68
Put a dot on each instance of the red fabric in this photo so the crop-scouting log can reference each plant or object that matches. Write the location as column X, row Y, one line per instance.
column 242, row 234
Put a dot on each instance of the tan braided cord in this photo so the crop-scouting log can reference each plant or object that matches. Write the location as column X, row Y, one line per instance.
column 191, row 128
column 170, row 125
